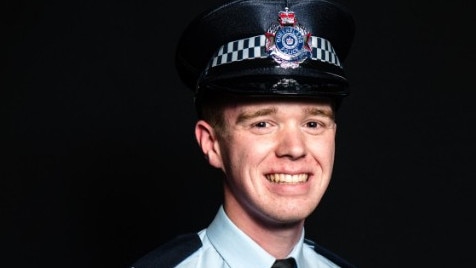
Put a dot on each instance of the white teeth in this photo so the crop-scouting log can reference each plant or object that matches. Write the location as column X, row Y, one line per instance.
column 287, row 178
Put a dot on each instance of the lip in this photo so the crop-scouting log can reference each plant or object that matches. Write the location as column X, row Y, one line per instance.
column 286, row 178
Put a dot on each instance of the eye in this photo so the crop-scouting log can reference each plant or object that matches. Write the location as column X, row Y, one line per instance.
column 318, row 126
column 313, row 124
column 261, row 124
column 262, row 127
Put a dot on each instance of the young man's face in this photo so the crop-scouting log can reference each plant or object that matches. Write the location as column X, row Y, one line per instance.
column 277, row 156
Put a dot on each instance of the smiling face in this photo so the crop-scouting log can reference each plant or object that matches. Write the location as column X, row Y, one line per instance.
column 277, row 157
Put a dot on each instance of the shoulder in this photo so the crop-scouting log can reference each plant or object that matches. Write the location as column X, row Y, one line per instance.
column 329, row 254
column 171, row 253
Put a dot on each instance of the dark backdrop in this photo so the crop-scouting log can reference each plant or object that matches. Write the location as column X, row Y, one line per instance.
column 100, row 164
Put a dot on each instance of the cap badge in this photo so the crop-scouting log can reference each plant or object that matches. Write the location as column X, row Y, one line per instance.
column 288, row 43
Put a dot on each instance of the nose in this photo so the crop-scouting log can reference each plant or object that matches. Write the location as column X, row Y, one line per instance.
column 291, row 143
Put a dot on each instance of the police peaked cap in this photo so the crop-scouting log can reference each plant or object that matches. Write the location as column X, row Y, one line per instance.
column 268, row 48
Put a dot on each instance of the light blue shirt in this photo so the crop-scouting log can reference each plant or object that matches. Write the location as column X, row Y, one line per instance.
column 226, row 246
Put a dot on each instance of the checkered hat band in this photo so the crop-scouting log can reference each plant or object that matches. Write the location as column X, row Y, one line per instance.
column 249, row 48
column 321, row 49
column 255, row 47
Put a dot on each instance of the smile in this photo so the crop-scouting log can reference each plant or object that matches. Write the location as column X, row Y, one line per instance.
column 287, row 178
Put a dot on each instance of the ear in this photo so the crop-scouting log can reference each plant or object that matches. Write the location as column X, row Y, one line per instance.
column 208, row 142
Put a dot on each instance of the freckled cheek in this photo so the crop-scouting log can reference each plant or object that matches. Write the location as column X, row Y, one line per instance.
column 331, row 155
column 252, row 152
column 240, row 152
column 324, row 152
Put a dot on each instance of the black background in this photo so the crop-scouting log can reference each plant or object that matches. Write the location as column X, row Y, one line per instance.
column 100, row 164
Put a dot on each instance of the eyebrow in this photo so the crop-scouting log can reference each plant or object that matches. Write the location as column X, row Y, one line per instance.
column 272, row 110
column 320, row 111
column 247, row 115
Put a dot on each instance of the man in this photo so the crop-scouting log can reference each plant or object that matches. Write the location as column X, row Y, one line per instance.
column 268, row 80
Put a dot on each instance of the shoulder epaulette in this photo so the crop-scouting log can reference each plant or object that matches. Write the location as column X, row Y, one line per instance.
column 329, row 254
column 171, row 253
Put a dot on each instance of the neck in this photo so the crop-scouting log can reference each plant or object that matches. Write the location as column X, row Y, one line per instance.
column 277, row 238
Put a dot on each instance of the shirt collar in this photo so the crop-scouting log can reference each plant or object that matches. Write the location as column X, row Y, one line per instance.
column 232, row 244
